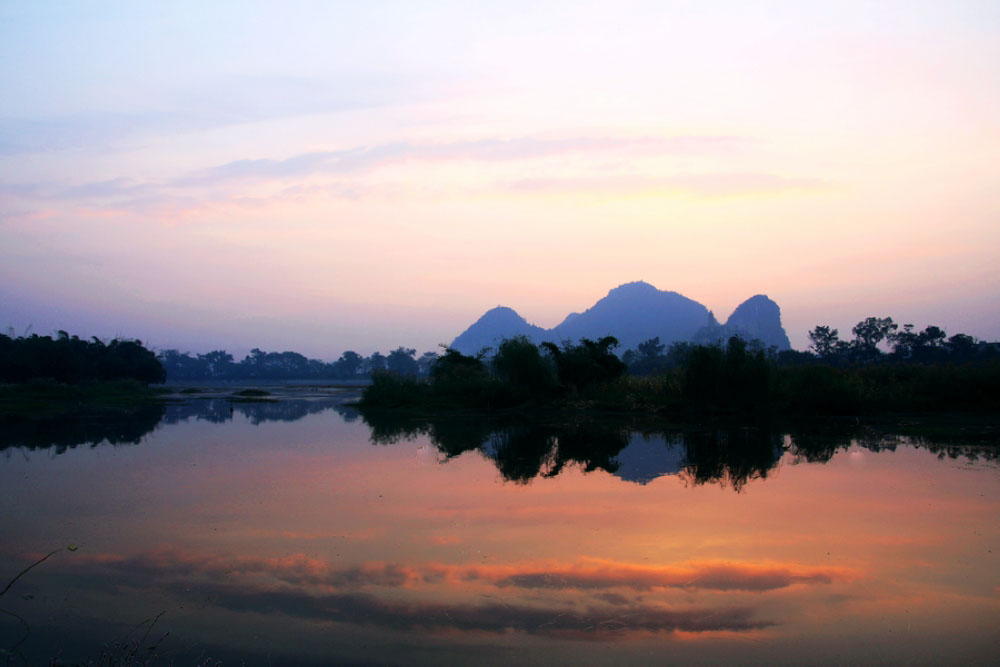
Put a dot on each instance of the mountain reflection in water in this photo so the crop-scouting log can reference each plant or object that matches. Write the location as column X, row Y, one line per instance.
column 733, row 456
column 520, row 450
column 292, row 532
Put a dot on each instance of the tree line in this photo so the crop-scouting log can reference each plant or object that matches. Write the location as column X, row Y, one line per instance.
column 71, row 360
column 932, row 345
column 518, row 372
column 917, row 371
column 260, row 365
column 883, row 367
column 902, row 345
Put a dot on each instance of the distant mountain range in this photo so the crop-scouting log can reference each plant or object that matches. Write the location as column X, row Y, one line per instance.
column 634, row 313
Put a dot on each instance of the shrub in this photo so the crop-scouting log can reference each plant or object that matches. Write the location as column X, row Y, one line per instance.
column 731, row 379
column 821, row 389
column 588, row 363
column 391, row 391
column 522, row 370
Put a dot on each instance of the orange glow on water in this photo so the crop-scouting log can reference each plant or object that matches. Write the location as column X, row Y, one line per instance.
column 311, row 524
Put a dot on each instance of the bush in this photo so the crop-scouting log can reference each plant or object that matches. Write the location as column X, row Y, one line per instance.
column 522, row 370
column 821, row 390
column 459, row 378
column 729, row 379
column 590, row 362
column 453, row 372
column 71, row 360
column 392, row 391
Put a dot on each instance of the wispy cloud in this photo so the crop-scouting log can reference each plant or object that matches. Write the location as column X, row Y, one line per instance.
column 483, row 150
column 718, row 576
column 587, row 574
column 220, row 184
column 306, row 587
column 219, row 103
column 297, row 569
column 546, row 620
column 706, row 184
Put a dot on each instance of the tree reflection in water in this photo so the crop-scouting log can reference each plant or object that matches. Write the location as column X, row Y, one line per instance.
column 94, row 427
column 522, row 451
column 76, row 429
column 730, row 455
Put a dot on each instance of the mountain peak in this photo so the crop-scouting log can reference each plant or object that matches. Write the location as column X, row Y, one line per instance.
column 634, row 287
column 634, row 312
column 757, row 299
column 495, row 325
column 759, row 317
column 501, row 313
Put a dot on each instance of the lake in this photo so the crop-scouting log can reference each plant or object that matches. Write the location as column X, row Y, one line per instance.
column 297, row 532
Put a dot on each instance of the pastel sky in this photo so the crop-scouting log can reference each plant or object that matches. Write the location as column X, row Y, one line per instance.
column 329, row 176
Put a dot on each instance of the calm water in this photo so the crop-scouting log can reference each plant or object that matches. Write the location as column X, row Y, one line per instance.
column 294, row 532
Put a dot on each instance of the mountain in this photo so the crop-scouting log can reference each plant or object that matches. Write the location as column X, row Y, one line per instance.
column 757, row 318
column 633, row 313
column 493, row 327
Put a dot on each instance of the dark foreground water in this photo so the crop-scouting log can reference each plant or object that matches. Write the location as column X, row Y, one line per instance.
column 294, row 532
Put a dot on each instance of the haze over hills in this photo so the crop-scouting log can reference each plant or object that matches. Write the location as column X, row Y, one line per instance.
column 633, row 313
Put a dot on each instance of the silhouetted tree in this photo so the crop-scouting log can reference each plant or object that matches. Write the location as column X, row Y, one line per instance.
column 426, row 361
column 733, row 378
column 903, row 342
column 647, row 359
column 401, row 362
column 180, row 366
column 651, row 349
column 825, row 341
column 375, row 363
column 586, row 363
column 519, row 365
column 348, row 365
column 455, row 367
column 71, row 360
column 961, row 346
column 869, row 333
column 219, row 363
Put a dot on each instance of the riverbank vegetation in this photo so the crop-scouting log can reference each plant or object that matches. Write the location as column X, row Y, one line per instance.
column 45, row 398
column 918, row 372
column 42, row 375
column 71, row 360
column 219, row 365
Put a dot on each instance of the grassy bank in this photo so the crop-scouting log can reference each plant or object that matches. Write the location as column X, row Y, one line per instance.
column 49, row 398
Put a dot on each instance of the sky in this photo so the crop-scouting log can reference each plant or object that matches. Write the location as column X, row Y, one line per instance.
column 329, row 176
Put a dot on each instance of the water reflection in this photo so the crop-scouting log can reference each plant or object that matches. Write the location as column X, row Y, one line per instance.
column 498, row 541
column 364, row 594
column 92, row 428
column 220, row 410
column 520, row 450
column 77, row 429
column 731, row 456
column 820, row 442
